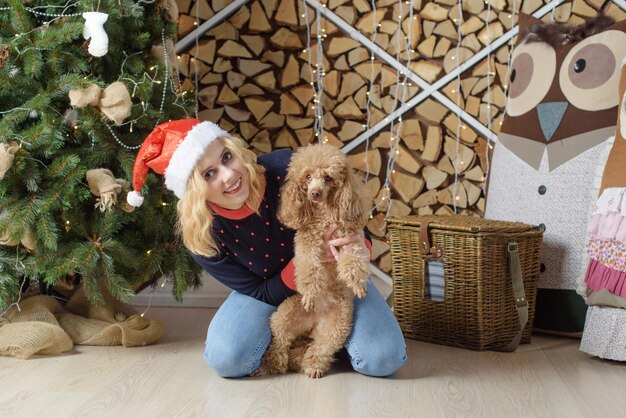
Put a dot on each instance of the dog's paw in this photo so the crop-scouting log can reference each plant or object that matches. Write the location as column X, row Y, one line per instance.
column 314, row 372
column 358, row 284
column 359, row 290
column 307, row 303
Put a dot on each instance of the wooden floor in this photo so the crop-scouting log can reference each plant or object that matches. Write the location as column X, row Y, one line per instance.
column 548, row 378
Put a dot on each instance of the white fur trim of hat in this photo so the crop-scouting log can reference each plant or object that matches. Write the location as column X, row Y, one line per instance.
column 188, row 154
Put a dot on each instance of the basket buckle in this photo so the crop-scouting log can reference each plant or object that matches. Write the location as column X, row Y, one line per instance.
column 435, row 251
column 430, row 251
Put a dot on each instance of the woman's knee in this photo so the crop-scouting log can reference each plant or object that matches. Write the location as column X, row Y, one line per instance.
column 236, row 360
column 383, row 361
column 224, row 365
column 238, row 336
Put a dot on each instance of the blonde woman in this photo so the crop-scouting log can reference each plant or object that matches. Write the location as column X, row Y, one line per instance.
column 228, row 200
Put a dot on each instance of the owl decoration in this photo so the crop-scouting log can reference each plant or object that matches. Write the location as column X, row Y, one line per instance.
column 604, row 284
column 561, row 110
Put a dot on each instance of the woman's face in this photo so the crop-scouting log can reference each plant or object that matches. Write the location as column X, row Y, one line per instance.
column 226, row 178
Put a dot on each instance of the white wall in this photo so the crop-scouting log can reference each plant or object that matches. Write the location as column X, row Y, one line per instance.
column 210, row 295
column 213, row 293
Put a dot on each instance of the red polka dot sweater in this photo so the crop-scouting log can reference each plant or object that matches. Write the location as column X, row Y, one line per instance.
column 256, row 250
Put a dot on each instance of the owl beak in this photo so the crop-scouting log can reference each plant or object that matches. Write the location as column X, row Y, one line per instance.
column 550, row 116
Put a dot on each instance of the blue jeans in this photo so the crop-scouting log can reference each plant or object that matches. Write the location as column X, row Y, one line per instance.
column 240, row 333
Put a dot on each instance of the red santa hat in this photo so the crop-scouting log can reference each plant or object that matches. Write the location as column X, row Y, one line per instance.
column 173, row 149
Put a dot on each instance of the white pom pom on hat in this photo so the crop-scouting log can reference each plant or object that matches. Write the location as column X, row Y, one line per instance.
column 173, row 149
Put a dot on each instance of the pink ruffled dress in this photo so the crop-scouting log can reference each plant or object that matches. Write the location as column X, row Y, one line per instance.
column 605, row 326
column 607, row 244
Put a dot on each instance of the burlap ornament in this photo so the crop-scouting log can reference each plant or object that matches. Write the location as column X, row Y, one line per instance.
column 27, row 239
column 172, row 62
column 43, row 326
column 4, row 55
column 7, row 154
column 114, row 101
column 103, row 184
column 168, row 9
column 89, row 96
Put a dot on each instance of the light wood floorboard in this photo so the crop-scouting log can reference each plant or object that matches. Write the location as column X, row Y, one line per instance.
column 548, row 378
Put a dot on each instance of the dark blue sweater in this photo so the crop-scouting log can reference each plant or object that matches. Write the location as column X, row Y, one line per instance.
column 255, row 250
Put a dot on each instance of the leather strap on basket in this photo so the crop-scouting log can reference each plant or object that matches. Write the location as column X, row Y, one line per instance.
column 521, row 304
column 427, row 250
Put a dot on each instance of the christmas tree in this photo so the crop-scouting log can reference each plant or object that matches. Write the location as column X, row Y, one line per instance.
column 82, row 83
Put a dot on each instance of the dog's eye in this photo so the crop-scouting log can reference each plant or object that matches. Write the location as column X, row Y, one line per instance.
column 308, row 177
column 328, row 178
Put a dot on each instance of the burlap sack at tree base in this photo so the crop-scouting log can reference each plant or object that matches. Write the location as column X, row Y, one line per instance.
column 43, row 326
column 25, row 339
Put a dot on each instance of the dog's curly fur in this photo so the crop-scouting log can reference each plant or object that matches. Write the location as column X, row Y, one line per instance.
column 321, row 189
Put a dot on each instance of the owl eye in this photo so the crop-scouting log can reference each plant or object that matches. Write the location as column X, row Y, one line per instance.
column 590, row 72
column 580, row 65
column 532, row 69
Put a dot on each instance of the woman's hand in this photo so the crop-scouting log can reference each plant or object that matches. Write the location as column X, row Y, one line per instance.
column 332, row 246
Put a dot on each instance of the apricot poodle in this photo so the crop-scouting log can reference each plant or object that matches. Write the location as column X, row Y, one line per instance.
column 320, row 190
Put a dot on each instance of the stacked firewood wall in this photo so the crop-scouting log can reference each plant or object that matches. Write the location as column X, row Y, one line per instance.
column 252, row 74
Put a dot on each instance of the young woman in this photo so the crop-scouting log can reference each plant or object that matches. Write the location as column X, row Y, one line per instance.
column 227, row 218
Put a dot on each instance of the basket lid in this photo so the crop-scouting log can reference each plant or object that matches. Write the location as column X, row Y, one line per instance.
column 463, row 223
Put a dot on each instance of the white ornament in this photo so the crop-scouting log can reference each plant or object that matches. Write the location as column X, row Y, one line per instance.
column 94, row 30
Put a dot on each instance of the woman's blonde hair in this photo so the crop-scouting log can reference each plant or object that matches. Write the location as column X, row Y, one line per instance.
column 195, row 218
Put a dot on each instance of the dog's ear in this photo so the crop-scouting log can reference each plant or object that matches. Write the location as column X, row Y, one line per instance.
column 295, row 209
column 352, row 201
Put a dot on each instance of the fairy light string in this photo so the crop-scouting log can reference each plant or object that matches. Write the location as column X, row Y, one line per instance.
column 505, row 87
column 398, row 97
column 488, row 105
column 63, row 14
column 319, row 74
column 459, row 124
column 370, row 92
column 135, row 84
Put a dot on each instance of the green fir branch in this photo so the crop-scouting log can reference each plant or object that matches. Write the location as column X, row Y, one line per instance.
column 53, row 36
column 21, row 20
column 45, row 191
column 62, row 166
column 118, row 287
column 33, row 62
column 47, row 232
column 9, row 288
column 123, row 255
column 91, row 287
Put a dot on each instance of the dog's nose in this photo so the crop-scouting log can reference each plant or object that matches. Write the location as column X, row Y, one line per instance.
column 315, row 194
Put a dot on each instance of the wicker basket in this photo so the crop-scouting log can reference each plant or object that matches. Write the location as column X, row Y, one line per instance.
column 478, row 310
